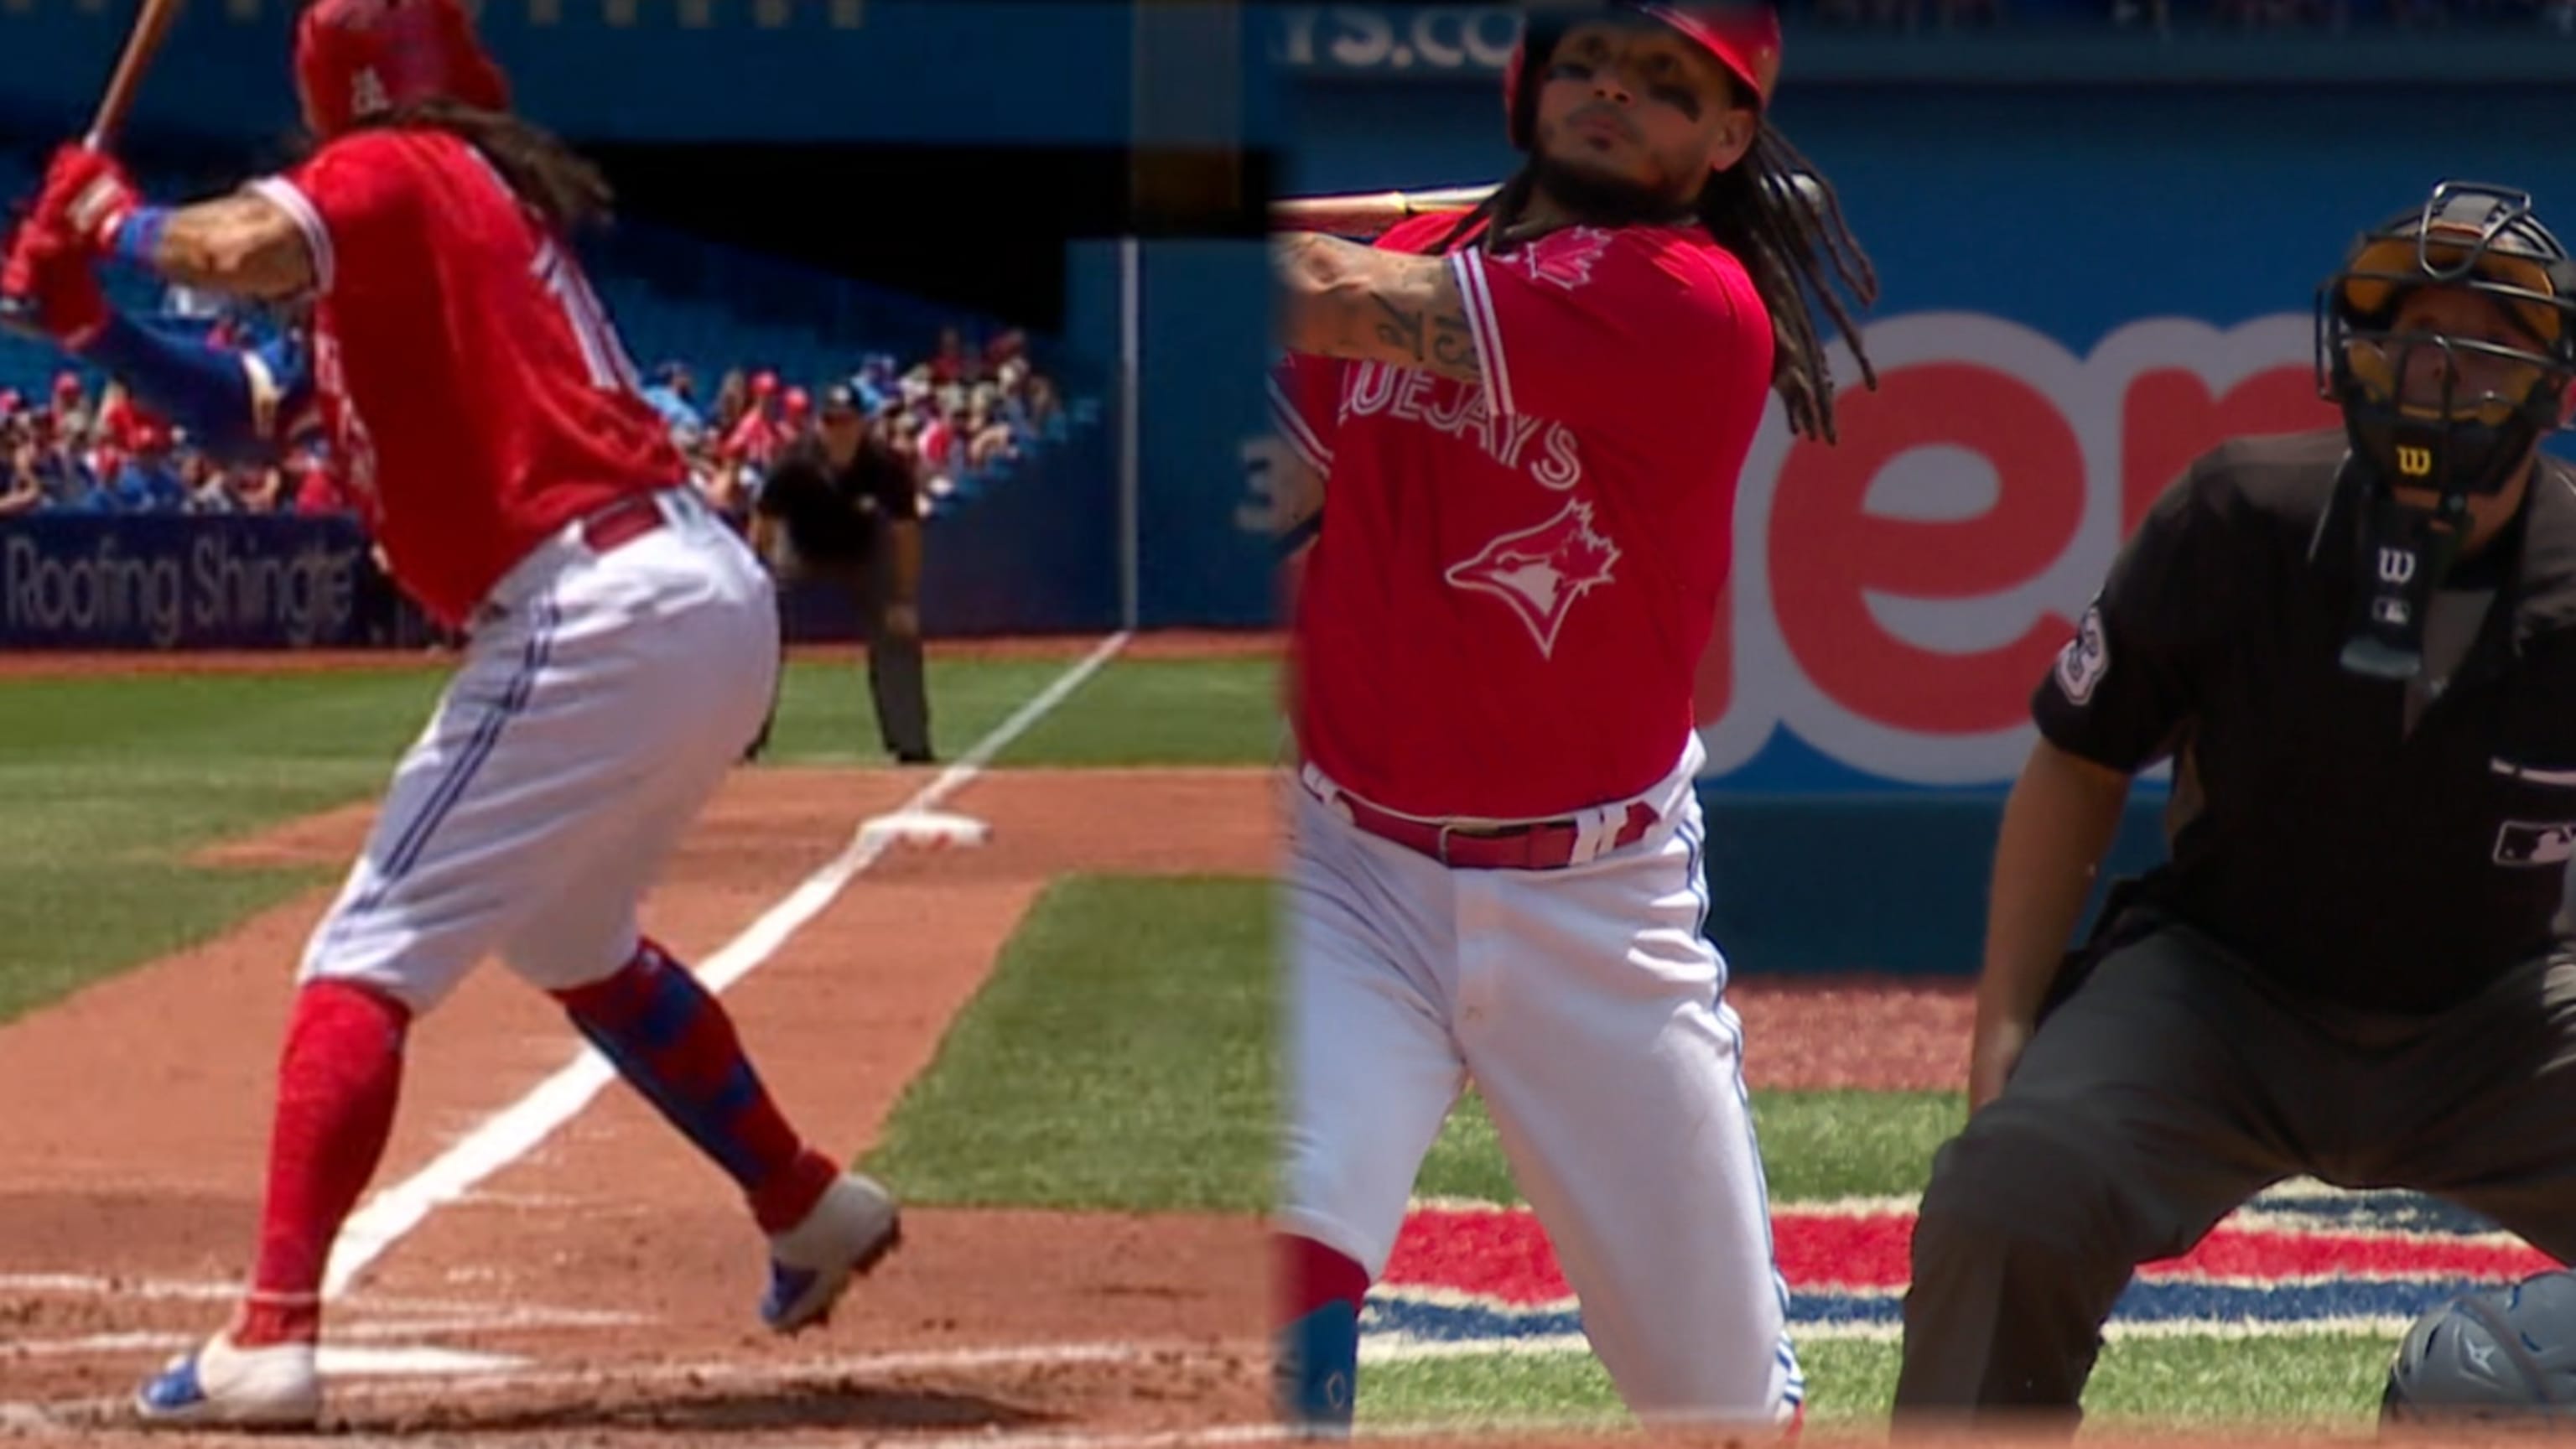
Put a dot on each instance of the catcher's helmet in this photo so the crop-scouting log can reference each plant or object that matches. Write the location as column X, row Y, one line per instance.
column 2478, row 238
column 2499, row 1353
column 1744, row 36
column 354, row 58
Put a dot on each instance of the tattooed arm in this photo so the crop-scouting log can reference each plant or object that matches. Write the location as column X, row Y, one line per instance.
column 1339, row 299
column 245, row 245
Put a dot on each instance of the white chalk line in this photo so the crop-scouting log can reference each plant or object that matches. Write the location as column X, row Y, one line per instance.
column 515, row 1320
column 515, row 1131
column 464, row 1312
column 456, row 1381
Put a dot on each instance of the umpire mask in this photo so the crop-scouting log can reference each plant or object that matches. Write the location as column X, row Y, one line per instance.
column 2442, row 400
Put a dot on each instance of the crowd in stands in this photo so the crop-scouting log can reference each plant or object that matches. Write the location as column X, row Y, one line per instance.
column 2558, row 16
column 74, row 451
column 958, row 413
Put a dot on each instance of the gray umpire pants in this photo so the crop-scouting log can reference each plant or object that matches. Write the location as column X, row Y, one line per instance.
column 2171, row 1086
column 896, row 682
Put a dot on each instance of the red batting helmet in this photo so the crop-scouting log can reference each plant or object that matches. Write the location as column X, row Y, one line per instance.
column 1744, row 37
column 355, row 58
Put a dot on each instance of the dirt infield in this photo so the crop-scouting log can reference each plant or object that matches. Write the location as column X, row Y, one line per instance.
column 1869, row 1033
column 2091, row 1438
column 1172, row 644
column 599, row 1290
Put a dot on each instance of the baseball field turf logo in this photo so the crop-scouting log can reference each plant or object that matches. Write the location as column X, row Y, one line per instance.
column 2297, row 1261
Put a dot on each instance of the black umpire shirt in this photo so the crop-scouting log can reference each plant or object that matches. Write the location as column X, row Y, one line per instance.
column 2383, row 844
column 830, row 514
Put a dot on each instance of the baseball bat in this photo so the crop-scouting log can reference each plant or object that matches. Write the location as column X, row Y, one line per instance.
column 142, row 42
column 1368, row 213
column 151, row 27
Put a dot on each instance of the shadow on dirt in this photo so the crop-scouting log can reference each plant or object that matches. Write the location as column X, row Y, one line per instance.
column 698, row 1413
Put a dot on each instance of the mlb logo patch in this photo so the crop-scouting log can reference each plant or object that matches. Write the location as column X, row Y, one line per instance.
column 2519, row 842
column 2084, row 660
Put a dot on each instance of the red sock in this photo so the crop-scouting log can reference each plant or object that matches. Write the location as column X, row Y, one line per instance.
column 337, row 1082
column 1312, row 1275
column 671, row 1040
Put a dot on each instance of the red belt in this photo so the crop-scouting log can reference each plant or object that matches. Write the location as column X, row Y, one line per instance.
column 1534, row 845
column 622, row 522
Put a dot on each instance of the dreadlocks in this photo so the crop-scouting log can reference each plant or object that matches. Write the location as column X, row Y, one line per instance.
column 568, row 191
column 1784, row 222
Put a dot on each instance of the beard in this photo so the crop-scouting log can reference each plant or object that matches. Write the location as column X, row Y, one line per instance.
column 1595, row 199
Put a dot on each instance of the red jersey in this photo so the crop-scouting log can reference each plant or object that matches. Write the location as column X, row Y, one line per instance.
column 468, row 380
column 1504, row 609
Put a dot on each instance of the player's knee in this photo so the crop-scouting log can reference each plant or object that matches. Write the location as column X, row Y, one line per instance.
column 414, row 990
column 2016, row 1177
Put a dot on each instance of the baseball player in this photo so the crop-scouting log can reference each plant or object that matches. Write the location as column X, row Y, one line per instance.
column 623, row 644
column 2358, row 648
column 1530, row 420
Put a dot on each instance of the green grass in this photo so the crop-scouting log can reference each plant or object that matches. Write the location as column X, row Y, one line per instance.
column 1814, row 1145
column 1146, row 712
column 111, row 782
column 1134, row 712
column 1115, row 1059
column 825, row 717
column 2324, row 1382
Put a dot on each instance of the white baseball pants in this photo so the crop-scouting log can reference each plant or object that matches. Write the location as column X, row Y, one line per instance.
column 602, row 701
column 1587, row 1008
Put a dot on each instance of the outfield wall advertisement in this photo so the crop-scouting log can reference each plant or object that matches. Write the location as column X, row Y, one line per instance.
column 1896, row 598
column 188, row 583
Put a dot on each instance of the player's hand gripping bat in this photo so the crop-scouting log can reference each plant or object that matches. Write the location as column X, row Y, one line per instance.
column 151, row 27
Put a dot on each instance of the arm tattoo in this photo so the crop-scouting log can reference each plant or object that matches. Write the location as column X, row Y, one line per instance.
column 244, row 245
column 1401, row 327
column 1425, row 335
column 1362, row 304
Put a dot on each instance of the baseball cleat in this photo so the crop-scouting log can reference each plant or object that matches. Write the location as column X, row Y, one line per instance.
column 275, row 1386
column 811, row 1264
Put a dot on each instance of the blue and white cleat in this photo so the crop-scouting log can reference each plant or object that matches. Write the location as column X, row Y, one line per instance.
column 276, row 1386
column 811, row 1265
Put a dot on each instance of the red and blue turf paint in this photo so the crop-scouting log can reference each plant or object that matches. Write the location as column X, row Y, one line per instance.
column 2315, row 1262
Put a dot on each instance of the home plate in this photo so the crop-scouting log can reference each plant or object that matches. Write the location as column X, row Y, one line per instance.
column 337, row 1361
column 925, row 830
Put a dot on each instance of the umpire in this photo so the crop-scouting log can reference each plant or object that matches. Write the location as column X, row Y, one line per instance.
column 2358, row 648
column 848, row 503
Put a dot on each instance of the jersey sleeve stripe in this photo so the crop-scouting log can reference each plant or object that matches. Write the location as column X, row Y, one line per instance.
column 1487, row 334
column 283, row 194
column 1293, row 427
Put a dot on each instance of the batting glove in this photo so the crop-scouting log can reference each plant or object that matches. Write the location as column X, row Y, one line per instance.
column 47, row 280
column 88, row 195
